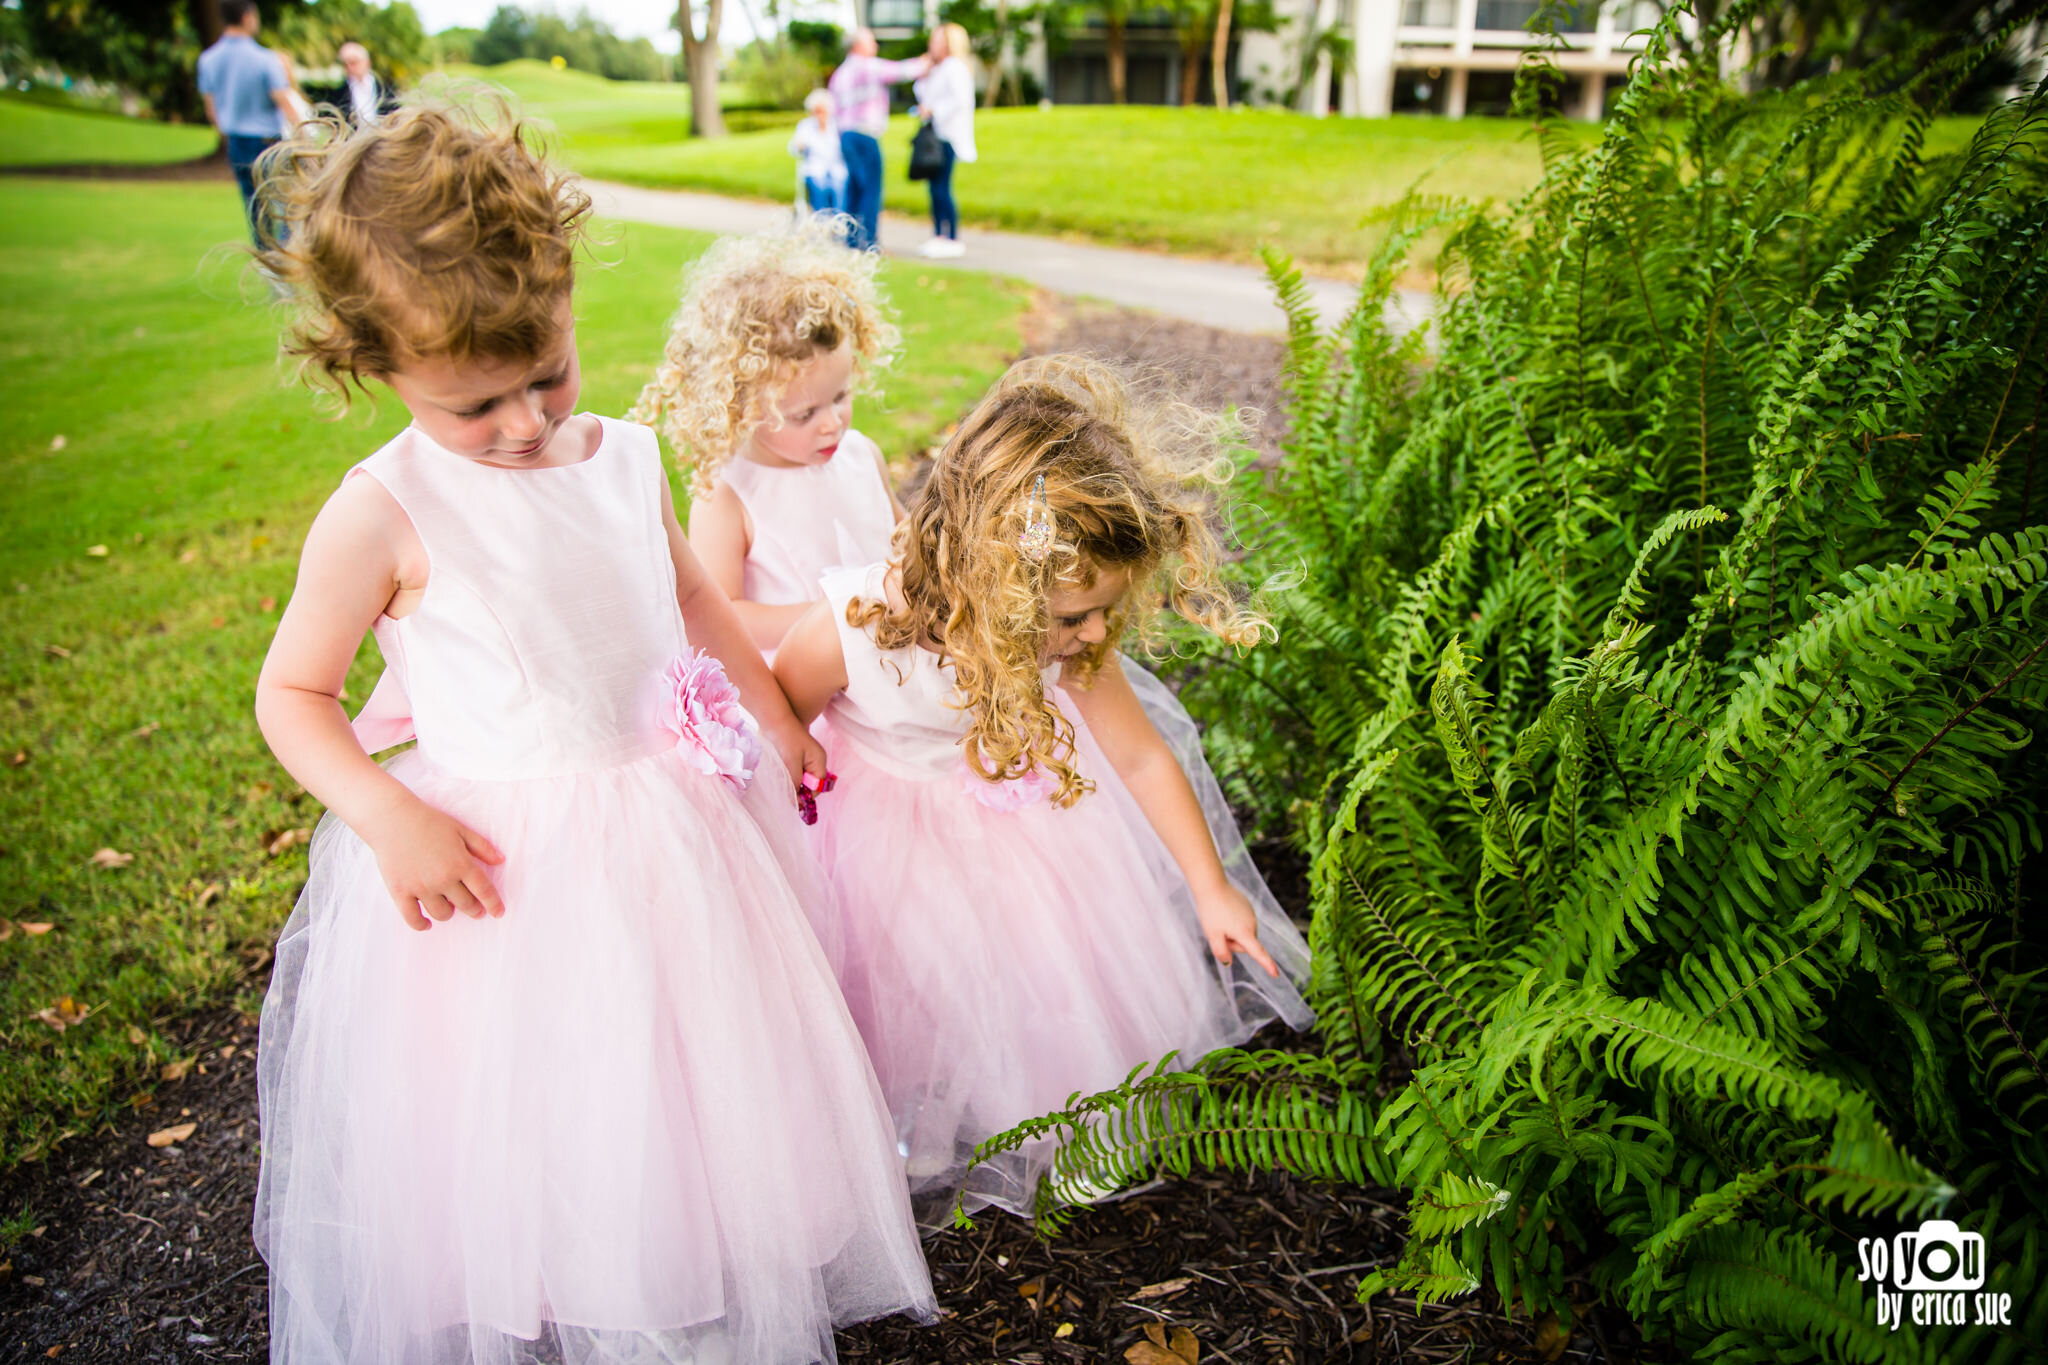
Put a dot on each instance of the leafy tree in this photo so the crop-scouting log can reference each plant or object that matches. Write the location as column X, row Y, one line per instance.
column 507, row 37
column 148, row 46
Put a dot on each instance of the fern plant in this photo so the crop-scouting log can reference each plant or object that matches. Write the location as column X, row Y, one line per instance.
column 1662, row 671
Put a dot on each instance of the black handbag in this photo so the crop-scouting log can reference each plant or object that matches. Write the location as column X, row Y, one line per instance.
column 927, row 153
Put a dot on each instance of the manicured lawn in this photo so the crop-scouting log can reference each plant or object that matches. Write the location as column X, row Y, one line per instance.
column 35, row 133
column 159, row 474
column 1186, row 180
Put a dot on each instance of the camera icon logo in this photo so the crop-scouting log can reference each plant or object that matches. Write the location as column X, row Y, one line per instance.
column 1939, row 1256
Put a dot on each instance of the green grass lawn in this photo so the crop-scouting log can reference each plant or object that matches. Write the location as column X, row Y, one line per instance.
column 37, row 133
column 159, row 475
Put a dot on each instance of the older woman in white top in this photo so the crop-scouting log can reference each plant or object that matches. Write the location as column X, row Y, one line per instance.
column 945, row 95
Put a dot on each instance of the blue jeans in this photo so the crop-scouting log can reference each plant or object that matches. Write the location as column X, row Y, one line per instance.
column 242, row 153
column 945, row 213
column 823, row 196
column 863, row 188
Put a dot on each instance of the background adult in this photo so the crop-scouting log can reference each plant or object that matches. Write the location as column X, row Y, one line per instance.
column 248, row 97
column 945, row 95
column 860, row 99
column 366, row 98
column 823, row 164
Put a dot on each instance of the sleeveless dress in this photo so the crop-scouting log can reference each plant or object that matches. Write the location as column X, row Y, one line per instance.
column 810, row 519
column 1001, row 953
column 631, row 1120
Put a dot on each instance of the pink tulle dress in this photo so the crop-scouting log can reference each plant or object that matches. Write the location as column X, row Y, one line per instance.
column 1001, row 953
column 632, row 1119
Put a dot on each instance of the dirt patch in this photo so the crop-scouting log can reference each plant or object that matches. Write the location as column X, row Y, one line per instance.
column 142, row 1253
column 1201, row 365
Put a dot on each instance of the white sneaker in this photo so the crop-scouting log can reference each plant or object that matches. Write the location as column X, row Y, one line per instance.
column 933, row 249
column 947, row 248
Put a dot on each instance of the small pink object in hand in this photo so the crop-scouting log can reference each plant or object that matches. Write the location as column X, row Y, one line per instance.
column 807, row 799
column 713, row 732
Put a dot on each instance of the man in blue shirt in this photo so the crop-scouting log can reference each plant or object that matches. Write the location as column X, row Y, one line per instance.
column 247, row 96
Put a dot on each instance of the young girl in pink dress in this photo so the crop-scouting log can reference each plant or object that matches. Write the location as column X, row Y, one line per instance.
column 755, row 393
column 1032, row 900
column 611, row 1107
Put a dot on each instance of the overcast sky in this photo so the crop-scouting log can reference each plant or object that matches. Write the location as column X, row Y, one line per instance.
column 628, row 18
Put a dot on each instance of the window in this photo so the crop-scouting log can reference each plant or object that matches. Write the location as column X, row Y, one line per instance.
column 1429, row 13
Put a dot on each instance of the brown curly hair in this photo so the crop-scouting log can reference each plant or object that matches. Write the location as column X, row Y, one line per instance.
column 1127, row 484
column 754, row 310
column 437, row 233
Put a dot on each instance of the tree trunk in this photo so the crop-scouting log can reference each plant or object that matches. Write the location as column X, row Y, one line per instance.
column 205, row 16
column 1113, row 41
column 700, row 61
column 1191, row 68
column 995, row 75
column 1219, row 52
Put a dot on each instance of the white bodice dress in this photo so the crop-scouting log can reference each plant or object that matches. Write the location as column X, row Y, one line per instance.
column 630, row 1120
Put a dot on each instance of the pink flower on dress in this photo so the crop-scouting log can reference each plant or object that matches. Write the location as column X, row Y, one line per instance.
column 1011, row 795
column 713, row 732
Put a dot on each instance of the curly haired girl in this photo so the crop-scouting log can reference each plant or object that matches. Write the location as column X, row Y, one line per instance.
column 608, row 1106
column 755, row 392
column 1028, row 878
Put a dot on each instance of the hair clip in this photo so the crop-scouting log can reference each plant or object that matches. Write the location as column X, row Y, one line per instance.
column 1035, row 541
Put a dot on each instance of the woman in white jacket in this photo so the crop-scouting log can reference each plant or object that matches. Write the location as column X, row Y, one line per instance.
column 945, row 95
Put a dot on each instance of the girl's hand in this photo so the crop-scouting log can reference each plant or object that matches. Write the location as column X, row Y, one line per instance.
column 1231, row 926
column 801, row 754
column 433, row 865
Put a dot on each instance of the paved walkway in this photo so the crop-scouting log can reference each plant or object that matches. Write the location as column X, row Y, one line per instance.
column 1215, row 293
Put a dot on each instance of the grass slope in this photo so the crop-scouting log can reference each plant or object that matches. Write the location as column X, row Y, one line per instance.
column 148, row 418
column 36, row 133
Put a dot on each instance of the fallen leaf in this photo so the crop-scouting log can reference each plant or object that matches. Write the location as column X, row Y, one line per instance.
column 33, row 929
column 1029, row 1289
column 177, row 1132
column 97, row 551
column 57, row 651
column 1551, row 1337
column 1160, row 1348
column 258, row 791
column 267, row 604
column 6, row 930
column 1163, row 1288
column 64, row 1014
column 37, row 1233
column 227, row 1051
column 209, row 895
column 258, row 542
column 175, row 1071
column 136, row 1037
column 1063, row 1331
column 189, row 557
column 290, row 839
column 109, row 857
column 145, row 731
column 17, row 759
column 58, row 442
column 217, row 622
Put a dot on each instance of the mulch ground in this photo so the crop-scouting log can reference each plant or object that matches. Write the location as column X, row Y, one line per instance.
column 141, row 1253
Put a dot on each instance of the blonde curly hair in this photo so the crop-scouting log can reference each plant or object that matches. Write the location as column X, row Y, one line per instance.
column 439, row 232
column 1128, row 483
column 755, row 310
